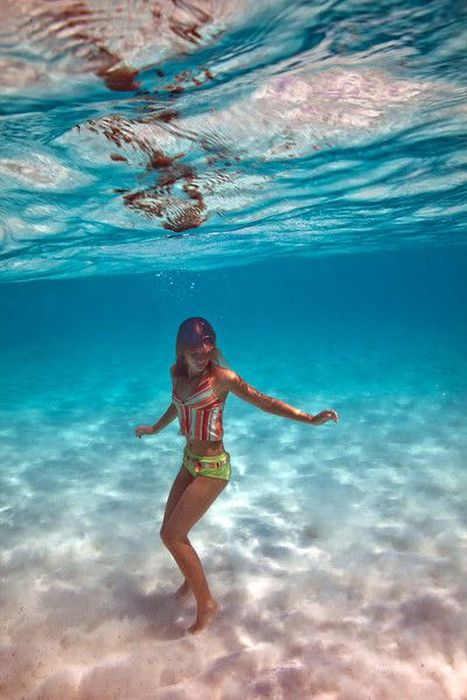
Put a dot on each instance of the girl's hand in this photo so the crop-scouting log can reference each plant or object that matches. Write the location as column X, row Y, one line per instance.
column 144, row 430
column 324, row 416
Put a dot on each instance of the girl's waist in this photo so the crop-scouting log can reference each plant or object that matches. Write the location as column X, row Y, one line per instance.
column 205, row 456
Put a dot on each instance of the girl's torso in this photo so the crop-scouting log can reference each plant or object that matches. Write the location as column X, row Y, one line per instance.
column 200, row 402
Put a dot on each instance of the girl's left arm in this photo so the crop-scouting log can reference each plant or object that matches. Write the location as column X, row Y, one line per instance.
column 245, row 391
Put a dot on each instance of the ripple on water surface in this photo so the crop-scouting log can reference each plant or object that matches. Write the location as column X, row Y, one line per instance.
column 148, row 136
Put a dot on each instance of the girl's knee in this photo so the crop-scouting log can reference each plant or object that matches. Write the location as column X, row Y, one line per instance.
column 170, row 536
column 164, row 535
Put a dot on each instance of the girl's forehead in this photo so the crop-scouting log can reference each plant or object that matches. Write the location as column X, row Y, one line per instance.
column 206, row 347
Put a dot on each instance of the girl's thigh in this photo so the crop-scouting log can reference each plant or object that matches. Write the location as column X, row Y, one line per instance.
column 182, row 480
column 193, row 503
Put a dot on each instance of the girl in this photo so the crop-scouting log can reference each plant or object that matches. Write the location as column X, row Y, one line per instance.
column 200, row 388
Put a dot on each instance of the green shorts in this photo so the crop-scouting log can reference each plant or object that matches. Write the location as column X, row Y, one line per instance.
column 217, row 466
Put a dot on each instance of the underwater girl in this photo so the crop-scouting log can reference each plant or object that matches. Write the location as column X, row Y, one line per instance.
column 200, row 388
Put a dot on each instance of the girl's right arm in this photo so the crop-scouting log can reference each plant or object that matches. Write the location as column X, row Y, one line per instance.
column 168, row 417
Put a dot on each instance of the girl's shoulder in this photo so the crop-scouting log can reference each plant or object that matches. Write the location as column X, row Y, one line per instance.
column 223, row 375
column 220, row 381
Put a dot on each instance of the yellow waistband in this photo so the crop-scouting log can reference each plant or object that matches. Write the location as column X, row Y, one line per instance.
column 206, row 458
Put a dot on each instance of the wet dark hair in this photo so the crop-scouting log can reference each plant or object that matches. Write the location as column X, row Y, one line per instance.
column 195, row 333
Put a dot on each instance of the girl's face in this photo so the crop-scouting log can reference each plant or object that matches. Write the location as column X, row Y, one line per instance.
column 197, row 359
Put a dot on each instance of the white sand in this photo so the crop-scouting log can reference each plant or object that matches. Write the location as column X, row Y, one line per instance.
column 338, row 555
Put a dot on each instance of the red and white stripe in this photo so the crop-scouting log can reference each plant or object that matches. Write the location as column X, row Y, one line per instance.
column 200, row 414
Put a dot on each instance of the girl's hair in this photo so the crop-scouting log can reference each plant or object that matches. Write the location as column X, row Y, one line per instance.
column 195, row 333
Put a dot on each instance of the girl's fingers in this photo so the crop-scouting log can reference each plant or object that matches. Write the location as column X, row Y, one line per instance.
column 331, row 415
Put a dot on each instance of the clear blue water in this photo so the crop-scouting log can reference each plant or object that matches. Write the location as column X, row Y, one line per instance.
column 296, row 174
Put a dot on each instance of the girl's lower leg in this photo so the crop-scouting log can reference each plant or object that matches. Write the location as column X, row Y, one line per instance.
column 190, row 565
column 183, row 590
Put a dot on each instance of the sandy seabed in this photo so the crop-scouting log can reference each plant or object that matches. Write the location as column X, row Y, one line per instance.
column 338, row 555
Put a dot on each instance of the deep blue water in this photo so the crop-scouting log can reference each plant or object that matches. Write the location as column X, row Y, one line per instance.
column 294, row 172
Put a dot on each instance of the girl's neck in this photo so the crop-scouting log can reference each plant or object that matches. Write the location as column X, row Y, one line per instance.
column 196, row 376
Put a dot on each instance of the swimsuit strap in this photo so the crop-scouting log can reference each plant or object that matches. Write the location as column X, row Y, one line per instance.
column 200, row 389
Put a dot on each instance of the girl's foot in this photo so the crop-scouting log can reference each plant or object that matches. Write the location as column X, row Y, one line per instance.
column 183, row 590
column 205, row 616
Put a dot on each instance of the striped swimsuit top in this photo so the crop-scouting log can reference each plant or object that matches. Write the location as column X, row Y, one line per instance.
column 200, row 414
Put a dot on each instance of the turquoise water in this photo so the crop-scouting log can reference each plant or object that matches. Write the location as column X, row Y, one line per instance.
column 296, row 174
